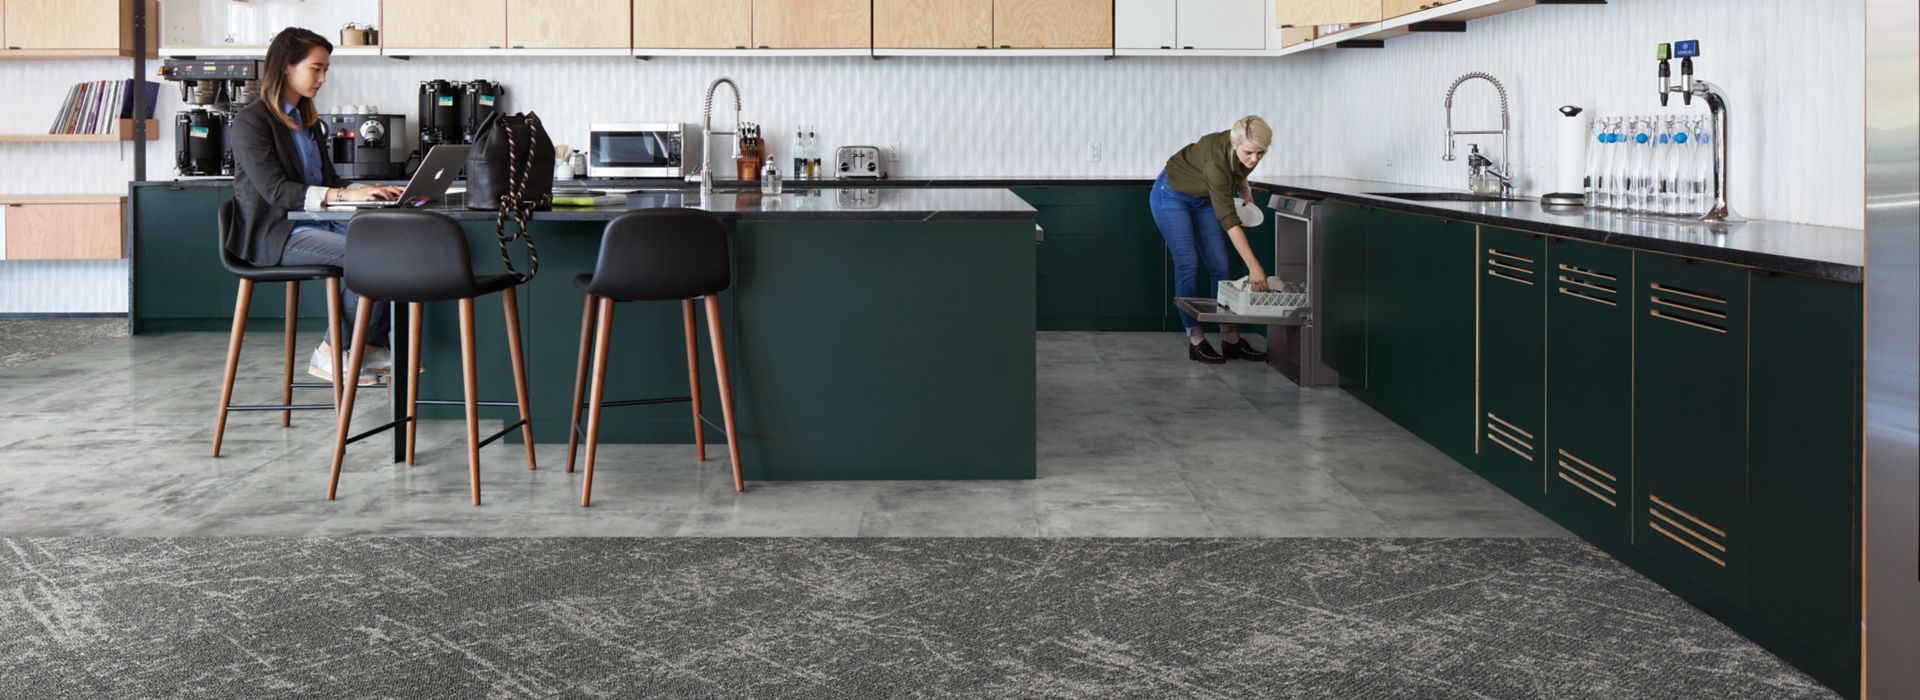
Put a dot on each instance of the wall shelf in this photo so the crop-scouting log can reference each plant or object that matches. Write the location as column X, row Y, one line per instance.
column 122, row 133
column 23, row 199
column 233, row 51
column 64, row 54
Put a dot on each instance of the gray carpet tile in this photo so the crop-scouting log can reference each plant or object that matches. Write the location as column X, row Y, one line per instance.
column 856, row 618
column 23, row 340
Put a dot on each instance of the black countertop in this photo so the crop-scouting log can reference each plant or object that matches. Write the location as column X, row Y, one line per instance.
column 800, row 204
column 1816, row 251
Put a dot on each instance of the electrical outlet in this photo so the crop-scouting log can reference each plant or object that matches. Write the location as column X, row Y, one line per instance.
column 1093, row 151
column 893, row 152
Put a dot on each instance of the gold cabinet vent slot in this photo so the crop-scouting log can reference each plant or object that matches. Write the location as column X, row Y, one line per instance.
column 1508, row 435
column 1496, row 252
column 1665, row 524
column 1587, row 271
column 1656, row 313
column 1583, row 487
column 1577, row 294
column 1509, row 277
column 1671, row 304
column 1577, row 282
column 1658, row 287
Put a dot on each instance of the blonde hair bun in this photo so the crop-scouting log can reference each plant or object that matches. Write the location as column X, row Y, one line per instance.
column 1253, row 128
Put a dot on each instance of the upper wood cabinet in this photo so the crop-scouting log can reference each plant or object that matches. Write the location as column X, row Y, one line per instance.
column 813, row 24
column 934, row 24
column 1053, row 24
column 569, row 24
column 1394, row 8
column 692, row 24
column 93, row 25
column 443, row 24
column 1308, row 13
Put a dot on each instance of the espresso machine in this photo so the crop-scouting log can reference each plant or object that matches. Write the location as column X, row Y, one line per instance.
column 200, row 147
column 366, row 146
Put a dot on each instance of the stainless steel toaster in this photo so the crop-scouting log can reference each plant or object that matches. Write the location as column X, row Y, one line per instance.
column 859, row 162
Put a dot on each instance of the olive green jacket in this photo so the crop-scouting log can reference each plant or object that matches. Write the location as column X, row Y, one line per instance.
column 1208, row 168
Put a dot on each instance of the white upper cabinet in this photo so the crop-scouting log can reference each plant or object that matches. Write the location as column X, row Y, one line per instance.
column 1144, row 24
column 1217, row 25
column 1222, row 24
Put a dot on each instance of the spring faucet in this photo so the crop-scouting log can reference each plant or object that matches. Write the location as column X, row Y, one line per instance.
column 1506, row 182
column 707, row 133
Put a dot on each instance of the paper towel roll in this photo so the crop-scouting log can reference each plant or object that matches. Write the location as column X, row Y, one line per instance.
column 1570, row 174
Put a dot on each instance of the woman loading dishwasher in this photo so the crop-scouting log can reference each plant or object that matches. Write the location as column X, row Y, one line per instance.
column 1193, row 205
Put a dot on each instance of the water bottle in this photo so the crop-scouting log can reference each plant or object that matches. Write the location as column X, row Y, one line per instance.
column 1640, row 166
column 1663, row 159
column 1702, row 167
column 799, row 154
column 1590, row 181
column 1621, row 163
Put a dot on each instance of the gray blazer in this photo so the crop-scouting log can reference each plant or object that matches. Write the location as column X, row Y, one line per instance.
column 267, row 183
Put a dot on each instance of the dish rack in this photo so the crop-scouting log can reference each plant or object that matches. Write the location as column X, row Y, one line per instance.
column 1282, row 299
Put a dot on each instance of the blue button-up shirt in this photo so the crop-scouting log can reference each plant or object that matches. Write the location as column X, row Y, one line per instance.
column 312, row 171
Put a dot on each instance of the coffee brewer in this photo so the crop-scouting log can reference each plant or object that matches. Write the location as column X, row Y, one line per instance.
column 366, row 146
column 213, row 92
column 480, row 99
column 451, row 112
column 200, row 143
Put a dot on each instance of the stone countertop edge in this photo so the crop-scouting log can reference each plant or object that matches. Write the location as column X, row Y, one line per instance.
column 1830, row 253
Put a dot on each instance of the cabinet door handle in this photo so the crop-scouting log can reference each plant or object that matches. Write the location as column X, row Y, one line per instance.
column 1696, row 324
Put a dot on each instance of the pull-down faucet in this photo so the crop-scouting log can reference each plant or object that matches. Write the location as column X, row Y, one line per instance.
column 705, row 176
column 1505, row 172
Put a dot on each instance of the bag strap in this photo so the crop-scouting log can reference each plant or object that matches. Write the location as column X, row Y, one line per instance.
column 514, row 202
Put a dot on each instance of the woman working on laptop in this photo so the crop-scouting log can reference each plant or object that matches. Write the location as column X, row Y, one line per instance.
column 280, row 164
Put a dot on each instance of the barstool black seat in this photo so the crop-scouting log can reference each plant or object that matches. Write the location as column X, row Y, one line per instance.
column 415, row 257
column 655, row 255
column 292, row 276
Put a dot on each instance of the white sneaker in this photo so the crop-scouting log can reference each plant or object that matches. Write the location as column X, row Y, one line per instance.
column 319, row 365
column 377, row 361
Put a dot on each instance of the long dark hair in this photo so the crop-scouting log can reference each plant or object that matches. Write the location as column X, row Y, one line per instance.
column 288, row 49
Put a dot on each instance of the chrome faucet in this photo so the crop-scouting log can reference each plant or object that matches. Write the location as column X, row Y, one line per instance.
column 1717, row 104
column 1506, row 182
column 705, row 176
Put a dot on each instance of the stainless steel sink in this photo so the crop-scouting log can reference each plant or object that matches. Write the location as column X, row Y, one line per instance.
column 1445, row 197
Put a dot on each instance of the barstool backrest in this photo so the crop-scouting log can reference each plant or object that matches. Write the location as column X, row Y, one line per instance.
column 406, row 256
column 662, row 254
column 229, row 211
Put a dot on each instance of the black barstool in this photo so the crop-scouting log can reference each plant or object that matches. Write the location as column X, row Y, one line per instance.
column 417, row 257
column 292, row 275
column 655, row 255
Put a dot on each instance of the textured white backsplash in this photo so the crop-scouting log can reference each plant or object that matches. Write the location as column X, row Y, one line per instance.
column 1793, row 68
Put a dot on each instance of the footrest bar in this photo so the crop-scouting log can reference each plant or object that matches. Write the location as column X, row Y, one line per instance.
column 292, row 407
column 440, row 402
column 376, row 431
column 503, row 433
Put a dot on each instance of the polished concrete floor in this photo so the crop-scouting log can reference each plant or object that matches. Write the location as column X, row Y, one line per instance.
column 1135, row 440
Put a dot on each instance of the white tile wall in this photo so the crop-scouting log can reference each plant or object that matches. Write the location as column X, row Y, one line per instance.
column 1793, row 68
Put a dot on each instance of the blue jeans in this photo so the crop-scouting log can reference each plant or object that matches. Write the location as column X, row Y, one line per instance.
column 1192, row 233
column 325, row 243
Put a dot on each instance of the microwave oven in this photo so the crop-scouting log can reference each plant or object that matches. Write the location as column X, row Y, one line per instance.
column 642, row 150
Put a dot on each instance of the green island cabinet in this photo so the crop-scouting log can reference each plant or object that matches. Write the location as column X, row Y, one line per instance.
column 1696, row 420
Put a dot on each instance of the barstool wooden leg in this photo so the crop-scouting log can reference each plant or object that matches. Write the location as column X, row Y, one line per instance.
column 362, row 317
column 473, row 410
column 335, row 313
column 719, row 344
column 286, row 376
column 415, row 310
column 580, row 379
column 233, row 360
column 511, row 304
column 602, row 340
column 693, row 381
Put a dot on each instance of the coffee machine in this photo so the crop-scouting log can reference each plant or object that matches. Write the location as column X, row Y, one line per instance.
column 366, row 146
column 451, row 113
column 213, row 91
column 479, row 100
column 200, row 143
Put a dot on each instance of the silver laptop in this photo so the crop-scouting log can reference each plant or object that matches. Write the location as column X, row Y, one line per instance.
column 429, row 184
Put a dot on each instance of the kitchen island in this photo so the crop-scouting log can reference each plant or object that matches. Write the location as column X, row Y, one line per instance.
column 859, row 325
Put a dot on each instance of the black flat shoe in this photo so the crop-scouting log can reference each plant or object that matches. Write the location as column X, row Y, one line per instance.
column 1242, row 350
column 1204, row 352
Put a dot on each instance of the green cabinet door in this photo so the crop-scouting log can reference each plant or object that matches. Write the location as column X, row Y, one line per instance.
column 1394, row 262
column 1341, row 234
column 1511, row 435
column 1805, row 468
column 1065, row 291
column 1690, row 420
column 1445, row 310
column 1590, row 390
column 1131, row 264
column 178, row 284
